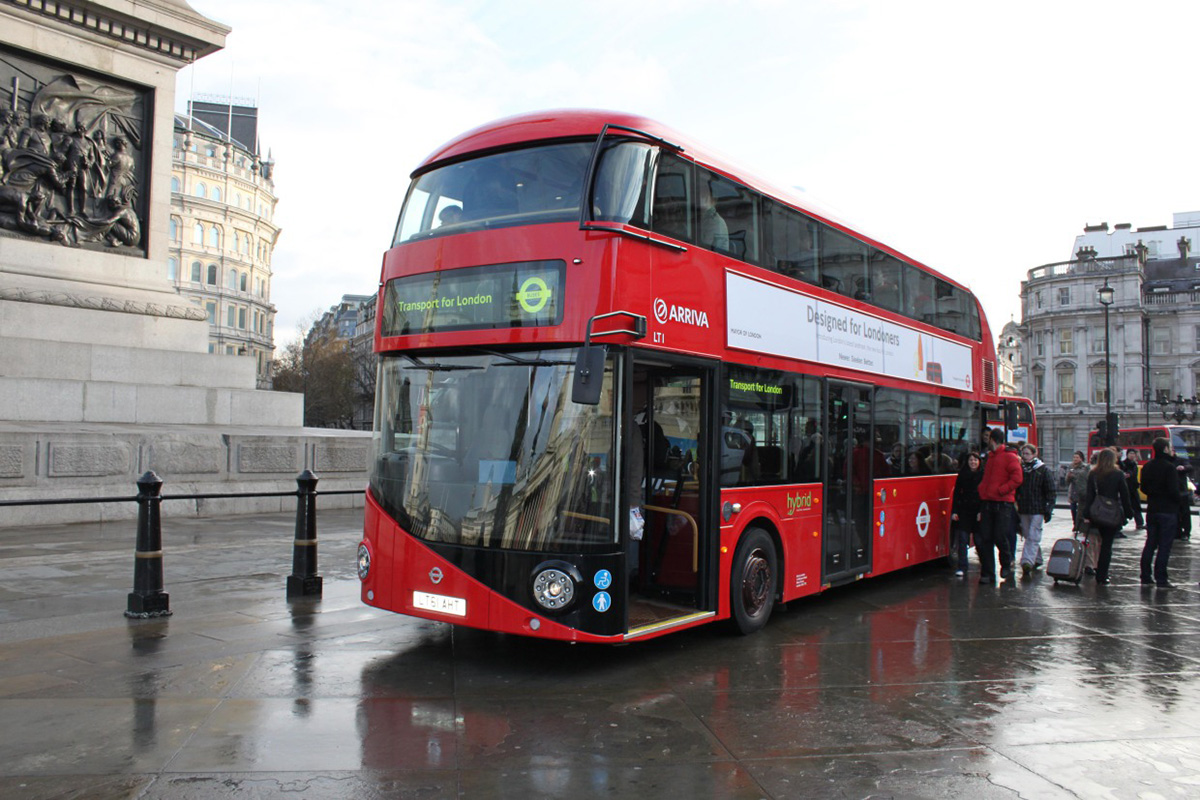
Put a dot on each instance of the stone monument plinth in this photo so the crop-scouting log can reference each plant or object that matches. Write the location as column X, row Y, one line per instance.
column 104, row 368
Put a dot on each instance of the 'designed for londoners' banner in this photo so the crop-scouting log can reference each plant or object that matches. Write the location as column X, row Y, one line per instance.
column 771, row 319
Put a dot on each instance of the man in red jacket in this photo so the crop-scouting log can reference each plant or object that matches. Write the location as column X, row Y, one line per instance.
column 997, row 492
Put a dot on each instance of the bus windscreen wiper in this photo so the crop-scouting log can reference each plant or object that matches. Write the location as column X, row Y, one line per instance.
column 528, row 362
column 435, row 367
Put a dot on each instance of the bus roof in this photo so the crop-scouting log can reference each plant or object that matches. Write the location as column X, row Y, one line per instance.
column 570, row 123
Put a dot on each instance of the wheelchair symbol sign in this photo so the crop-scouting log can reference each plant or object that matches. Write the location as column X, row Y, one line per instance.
column 602, row 579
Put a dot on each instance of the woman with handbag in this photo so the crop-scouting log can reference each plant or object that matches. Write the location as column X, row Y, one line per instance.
column 1106, row 507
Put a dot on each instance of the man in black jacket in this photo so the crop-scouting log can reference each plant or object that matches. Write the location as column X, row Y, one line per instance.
column 1160, row 484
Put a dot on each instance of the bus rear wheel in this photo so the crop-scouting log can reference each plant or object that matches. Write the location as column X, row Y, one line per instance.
column 752, row 581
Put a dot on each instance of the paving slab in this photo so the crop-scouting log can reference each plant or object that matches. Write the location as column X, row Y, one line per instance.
column 912, row 685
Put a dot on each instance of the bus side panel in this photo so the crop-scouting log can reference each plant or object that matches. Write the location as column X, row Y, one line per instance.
column 911, row 521
column 795, row 511
column 379, row 534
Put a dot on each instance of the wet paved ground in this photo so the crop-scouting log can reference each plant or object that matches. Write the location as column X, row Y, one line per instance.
column 918, row 685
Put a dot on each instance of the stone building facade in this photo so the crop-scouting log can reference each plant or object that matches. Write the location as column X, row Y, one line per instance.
column 1153, row 331
column 222, row 236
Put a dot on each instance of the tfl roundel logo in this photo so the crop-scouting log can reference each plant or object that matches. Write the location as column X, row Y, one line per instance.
column 534, row 295
column 661, row 312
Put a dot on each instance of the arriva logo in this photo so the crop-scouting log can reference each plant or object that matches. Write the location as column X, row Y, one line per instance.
column 673, row 313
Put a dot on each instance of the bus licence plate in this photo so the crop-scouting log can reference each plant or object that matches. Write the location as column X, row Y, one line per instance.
column 440, row 603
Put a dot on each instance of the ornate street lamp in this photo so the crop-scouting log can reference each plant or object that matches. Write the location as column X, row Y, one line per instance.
column 1181, row 409
column 1105, row 294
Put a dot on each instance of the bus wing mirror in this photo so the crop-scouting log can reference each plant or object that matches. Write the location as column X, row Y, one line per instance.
column 589, row 374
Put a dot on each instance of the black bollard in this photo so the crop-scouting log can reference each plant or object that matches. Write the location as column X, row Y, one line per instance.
column 148, row 598
column 304, row 580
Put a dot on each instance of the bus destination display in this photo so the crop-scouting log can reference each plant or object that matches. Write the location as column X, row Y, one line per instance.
column 521, row 295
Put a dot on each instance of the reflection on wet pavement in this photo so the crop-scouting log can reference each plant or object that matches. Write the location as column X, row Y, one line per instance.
column 915, row 685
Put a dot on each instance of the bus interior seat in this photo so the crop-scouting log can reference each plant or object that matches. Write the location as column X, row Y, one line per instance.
column 770, row 461
column 737, row 245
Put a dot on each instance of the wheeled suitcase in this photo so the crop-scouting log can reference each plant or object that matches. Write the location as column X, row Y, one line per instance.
column 1066, row 560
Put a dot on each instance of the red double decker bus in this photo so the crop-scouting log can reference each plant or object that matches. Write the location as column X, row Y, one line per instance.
column 625, row 389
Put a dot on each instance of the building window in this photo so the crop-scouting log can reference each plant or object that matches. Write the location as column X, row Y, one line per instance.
column 1039, row 389
column 1064, row 296
column 242, row 285
column 242, row 318
column 214, row 237
column 211, row 309
column 1161, row 341
column 1038, row 349
column 1066, row 342
column 216, row 193
column 237, row 241
column 1160, row 381
column 175, row 184
column 1064, row 440
column 197, row 272
column 174, row 229
column 230, row 316
column 1037, row 296
column 212, row 275
column 1099, row 386
column 1198, row 338
column 198, row 234
column 172, row 268
column 1097, row 339
column 201, row 190
column 1066, row 387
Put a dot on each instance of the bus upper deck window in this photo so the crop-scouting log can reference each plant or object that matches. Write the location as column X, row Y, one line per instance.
column 619, row 194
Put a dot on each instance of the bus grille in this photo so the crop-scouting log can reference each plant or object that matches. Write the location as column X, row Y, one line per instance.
column 989, row 376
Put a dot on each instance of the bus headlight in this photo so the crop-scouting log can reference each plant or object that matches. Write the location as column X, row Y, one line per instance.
column 554, row 585
column 364, row 562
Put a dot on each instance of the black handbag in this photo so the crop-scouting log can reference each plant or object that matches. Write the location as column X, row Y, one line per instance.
column 1105, row 511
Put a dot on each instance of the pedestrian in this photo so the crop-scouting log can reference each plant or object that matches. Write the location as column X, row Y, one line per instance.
column 964, row 509
column 997, row 494
column 1077, row 477
column 1129, row 466
column 1035, row 505
column 1161, row 485
column 1184, row 473
column 1077, row 485
column 1106, row 507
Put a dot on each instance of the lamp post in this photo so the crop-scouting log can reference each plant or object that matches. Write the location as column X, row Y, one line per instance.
column 1105, row 294
column 1181, row 409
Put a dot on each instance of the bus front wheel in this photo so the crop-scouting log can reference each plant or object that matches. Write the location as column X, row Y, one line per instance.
column 752, row 581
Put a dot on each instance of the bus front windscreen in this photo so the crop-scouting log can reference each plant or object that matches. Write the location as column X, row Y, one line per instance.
column 528, row 186
column 488, row 450
column 519, row 187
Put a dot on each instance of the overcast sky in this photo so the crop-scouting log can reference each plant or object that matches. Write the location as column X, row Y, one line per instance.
column 977, row 138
